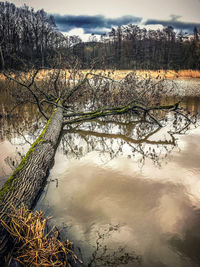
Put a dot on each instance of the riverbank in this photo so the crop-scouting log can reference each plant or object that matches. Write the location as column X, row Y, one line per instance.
column 168, row 74
column 159, row 74
column 121, row 74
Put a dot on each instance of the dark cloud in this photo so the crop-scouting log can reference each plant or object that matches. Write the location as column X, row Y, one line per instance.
column 92, row 24
column 100, row 24
column 175, row 23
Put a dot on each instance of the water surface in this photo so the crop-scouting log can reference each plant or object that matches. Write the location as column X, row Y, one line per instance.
column 126, row 194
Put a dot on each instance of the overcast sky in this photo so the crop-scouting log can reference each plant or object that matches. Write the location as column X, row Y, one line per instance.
column 99, row 16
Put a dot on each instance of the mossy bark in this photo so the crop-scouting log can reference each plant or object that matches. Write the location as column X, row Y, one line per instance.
column 29, row 178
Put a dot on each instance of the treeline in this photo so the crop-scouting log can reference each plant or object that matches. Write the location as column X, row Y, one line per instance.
column 131, row 47
column 32, row 36
column 29, row 36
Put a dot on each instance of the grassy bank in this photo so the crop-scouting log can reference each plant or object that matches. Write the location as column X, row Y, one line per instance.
column 168, row 74
column 120, row 74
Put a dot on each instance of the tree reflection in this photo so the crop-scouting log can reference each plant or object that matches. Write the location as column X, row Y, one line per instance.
column 188, row 244
column 127, row 137
column 104, row 256
column 115, row 136
column 17, row 132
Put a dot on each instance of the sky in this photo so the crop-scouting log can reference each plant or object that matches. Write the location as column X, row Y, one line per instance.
column 83, row 17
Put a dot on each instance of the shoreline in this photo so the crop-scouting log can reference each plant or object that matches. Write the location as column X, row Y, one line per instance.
column 160, row 74
column 121, row 74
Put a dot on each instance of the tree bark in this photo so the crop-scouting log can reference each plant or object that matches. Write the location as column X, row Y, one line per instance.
column 29, row 178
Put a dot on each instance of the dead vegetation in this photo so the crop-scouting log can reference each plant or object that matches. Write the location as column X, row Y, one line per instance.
column 33, row 245
column 121, row 74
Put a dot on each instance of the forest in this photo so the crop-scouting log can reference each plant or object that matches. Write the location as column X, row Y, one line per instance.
column 33, row 36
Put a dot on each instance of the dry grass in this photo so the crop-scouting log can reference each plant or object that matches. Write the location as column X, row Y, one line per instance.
column 32, row 246
column 169, row 74
column 120, row 74
column 189, row 73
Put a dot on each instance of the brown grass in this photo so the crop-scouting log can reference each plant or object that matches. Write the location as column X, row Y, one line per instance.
column 32, row 246
column 169, row 74
column 120, row 74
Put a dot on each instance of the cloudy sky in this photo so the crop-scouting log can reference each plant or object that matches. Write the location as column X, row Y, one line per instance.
column 84, row 17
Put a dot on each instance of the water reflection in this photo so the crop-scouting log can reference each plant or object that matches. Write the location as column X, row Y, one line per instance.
column 18, row 130
column 117, row 137
column 151, row 213
column 118, row 213
column 128, row 192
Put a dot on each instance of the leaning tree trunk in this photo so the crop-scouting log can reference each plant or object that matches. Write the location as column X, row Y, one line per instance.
column 29, row 178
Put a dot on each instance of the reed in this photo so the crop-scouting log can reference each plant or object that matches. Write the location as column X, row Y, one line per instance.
column 167, row 74
column 189, row 73
column 120, row 74
column 32, row 245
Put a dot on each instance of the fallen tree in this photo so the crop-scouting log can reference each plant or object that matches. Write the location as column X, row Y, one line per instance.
column 65, row 97
column 28, row 179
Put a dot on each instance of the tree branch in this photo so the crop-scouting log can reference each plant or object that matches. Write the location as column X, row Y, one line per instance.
column 31, row 91
column 85, row 116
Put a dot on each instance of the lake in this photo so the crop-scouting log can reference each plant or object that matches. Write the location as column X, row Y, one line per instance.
column 126, row 193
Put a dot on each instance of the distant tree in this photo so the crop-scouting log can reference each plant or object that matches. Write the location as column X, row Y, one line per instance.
column 196, row 34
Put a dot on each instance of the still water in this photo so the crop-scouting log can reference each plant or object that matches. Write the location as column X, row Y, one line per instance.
column 126, row 194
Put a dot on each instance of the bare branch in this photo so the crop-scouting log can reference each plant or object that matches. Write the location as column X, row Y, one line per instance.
column 2, row 58
column 31, row 91
column 85, row 116
column 55, row 84
column 75, row 89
